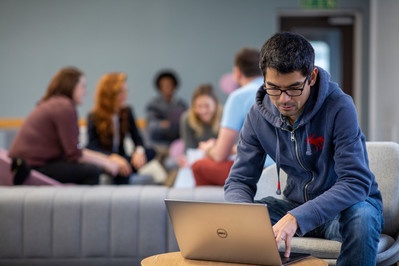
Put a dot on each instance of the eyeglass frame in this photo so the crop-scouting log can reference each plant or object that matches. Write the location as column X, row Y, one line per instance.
column 281, row 91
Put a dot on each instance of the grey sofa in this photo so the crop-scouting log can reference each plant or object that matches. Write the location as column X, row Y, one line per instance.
column 121, row 225
column 97, row 225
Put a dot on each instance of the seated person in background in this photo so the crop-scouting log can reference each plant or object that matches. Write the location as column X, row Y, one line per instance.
column 309, row 126
column 201, row 121
column 110, row 122
column 164, row 111
column 214, row 169
column 48, row 139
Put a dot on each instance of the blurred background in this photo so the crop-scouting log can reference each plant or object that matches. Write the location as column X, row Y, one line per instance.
column 354, row 39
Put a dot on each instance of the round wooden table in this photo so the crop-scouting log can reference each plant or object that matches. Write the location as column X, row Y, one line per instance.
column 176, row 259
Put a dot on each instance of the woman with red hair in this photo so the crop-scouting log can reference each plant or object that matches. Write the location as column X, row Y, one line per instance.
column 110, row 122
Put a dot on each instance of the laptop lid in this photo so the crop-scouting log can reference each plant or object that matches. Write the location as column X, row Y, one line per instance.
column 228, row 232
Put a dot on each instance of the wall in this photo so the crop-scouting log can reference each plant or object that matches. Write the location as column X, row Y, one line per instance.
column 196, row 38
column 384, row 56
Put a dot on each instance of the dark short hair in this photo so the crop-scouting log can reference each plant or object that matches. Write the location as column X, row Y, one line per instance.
column 287, row 52
column 166, row 74
column 247, row 60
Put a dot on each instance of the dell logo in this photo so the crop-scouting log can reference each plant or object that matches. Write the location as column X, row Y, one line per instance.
column 221, row 233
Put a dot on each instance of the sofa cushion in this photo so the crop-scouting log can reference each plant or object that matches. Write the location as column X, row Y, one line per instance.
column 89, row 225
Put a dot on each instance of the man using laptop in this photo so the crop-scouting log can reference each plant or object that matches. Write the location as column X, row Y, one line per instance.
column 309, row 127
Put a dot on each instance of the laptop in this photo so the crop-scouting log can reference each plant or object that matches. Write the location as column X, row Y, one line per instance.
column 226, row 232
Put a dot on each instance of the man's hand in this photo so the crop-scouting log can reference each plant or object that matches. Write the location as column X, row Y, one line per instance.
column 284, row 230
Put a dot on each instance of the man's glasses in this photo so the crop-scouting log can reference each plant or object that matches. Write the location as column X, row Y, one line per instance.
column 292, row 92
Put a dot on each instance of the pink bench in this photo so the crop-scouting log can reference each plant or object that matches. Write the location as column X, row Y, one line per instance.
column 35, row 178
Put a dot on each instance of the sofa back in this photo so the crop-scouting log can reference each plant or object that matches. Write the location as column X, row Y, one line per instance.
column 384, row 163
column 89, row 225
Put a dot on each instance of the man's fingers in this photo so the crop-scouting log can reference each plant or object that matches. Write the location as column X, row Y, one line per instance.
column 279, row 239
column 287, row 240
column 287, row 247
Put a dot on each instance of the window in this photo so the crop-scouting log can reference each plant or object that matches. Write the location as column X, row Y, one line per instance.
column 322, row 54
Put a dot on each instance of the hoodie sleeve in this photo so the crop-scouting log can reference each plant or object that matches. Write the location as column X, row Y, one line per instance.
column 248, row 165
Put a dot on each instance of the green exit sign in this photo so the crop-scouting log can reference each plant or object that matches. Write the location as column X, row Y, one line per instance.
column 319, row 4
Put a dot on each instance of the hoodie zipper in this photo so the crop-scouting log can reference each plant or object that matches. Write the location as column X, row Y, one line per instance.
column 293, row 139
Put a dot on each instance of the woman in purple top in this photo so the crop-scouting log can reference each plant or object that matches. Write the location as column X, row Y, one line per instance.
column 48, row 140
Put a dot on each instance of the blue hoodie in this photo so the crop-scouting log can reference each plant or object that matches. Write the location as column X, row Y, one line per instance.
column 324, row 155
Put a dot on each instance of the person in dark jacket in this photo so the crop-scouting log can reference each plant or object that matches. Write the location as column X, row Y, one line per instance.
column 309, row 127
column 164, row 111
column 111, row 121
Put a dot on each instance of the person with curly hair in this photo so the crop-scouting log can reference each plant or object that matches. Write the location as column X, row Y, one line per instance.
column 110, row 122
column 48, row 140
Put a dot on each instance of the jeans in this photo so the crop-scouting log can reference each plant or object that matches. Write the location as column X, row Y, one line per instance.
column 358, row 228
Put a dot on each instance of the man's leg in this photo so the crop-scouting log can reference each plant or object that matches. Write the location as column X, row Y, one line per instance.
column 359, row 228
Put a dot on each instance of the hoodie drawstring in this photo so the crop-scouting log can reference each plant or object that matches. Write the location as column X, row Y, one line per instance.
column 308, row 149
column 278, row 191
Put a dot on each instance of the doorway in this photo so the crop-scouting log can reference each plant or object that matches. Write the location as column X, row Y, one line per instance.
column 332, row 37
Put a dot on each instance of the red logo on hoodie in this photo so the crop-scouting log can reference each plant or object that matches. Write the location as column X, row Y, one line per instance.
column 317, row 142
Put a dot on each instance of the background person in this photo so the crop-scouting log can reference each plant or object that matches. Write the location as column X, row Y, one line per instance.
column 214, row 169
column 48, row 139
column 201, row 121
column 164, row 110
column 110, row 122
column 309, row 126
